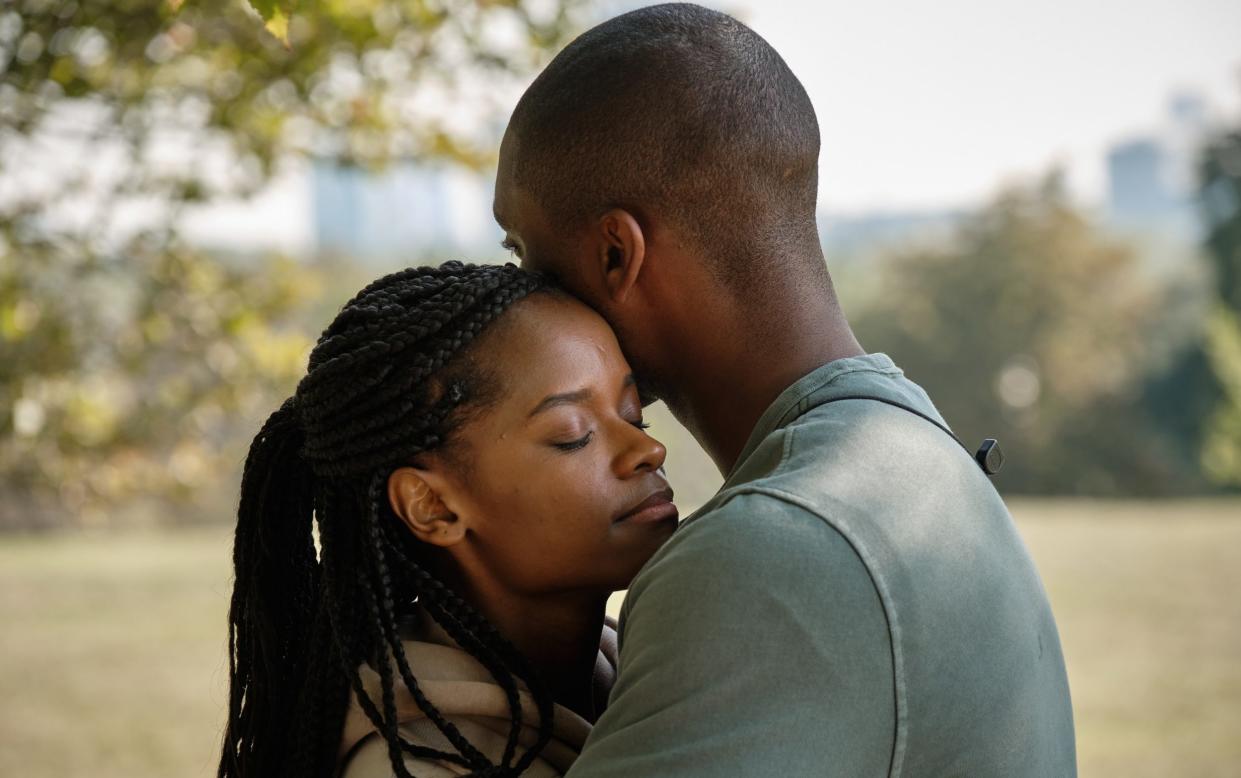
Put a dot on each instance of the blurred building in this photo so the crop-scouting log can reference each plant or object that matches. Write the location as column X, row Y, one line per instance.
column 406, row 212
column 1151, row 177
column 1138, row 183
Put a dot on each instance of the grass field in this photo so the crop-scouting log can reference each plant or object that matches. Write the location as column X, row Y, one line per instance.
column 113, row 647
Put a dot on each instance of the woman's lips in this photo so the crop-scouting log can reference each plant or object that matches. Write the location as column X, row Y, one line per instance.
column 657, row 507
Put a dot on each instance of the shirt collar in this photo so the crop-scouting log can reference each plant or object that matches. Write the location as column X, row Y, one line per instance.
column 795, row 400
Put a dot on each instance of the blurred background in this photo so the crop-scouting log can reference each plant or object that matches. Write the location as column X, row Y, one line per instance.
column 1034, row 208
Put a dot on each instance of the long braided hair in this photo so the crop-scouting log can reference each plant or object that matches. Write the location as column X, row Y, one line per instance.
column 385, row 382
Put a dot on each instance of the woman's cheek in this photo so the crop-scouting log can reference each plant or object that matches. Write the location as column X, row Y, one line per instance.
column 577, row 493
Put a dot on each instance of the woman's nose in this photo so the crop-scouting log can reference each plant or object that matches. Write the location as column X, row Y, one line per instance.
column 641, row 453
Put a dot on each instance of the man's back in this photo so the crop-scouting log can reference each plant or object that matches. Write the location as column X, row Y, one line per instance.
column 854, row 601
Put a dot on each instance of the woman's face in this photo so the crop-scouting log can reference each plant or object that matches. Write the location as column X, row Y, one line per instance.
column 553, row 486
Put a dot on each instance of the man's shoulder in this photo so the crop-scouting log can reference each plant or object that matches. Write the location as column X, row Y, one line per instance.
column 752, row 573
column 843, row 439
column 751, row 537
column 841, row 494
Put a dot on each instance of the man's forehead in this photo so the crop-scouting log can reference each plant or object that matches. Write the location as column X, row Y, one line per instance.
column 514, row 208
column 502, row 208
column 501, row 203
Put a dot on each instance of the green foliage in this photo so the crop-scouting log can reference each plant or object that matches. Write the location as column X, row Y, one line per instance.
column 1031, row 327
column 1097, row 376
column 124, row 385
column 1221, row 453
column 1220, row 193
column 1221, row 200
column 131, row 363
column 365, row 81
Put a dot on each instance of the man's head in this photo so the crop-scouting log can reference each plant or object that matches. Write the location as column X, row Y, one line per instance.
column 664, row 160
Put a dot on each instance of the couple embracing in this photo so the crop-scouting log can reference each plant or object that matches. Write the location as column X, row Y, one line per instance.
column 430, row 527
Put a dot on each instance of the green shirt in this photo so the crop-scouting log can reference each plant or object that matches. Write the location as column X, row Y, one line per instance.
column 855, row 601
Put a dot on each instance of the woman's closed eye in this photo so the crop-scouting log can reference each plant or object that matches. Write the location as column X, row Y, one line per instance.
column 582, row 442
column 574, row 445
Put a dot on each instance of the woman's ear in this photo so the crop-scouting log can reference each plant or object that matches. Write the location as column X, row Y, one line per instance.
column 623, row 250
column 421, row 508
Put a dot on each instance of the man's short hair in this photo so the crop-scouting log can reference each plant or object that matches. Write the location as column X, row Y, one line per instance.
column 683, row 111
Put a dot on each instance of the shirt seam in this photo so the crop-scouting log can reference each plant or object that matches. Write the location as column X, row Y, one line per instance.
column 885, row 371
column 799, row 405
column 782, row 421
column 885, row 599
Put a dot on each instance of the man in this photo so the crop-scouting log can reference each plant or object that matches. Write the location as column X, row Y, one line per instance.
column 855, row 600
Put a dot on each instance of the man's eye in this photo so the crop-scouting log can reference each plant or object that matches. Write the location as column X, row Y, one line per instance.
column 574, row 445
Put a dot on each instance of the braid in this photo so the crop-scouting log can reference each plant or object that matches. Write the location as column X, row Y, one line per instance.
column 473, row 633
column 386, row 618
column 385, row 381
column 273, row 560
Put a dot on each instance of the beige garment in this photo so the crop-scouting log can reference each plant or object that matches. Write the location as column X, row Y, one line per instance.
column 468, row 696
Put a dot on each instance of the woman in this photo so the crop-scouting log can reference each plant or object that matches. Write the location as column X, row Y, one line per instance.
column 468, row 443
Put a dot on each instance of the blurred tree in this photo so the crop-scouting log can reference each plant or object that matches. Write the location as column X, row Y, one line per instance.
column 131, row 363
column 1031, row 327
column 124, row 386
column 1220, row 194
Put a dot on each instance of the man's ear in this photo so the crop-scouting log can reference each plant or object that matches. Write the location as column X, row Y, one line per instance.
column 622, row 253
column 421, row 508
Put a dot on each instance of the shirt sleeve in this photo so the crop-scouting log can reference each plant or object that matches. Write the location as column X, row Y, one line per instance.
column 754, row 644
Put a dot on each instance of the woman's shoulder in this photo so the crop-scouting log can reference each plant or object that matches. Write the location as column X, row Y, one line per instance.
column 370, row 760
column 469, row 698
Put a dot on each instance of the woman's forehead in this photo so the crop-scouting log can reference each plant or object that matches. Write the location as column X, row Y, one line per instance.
column 552, row 345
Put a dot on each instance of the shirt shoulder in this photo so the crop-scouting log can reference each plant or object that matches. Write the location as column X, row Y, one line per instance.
column 760, row 555
column 747, row 529
column 755, row 644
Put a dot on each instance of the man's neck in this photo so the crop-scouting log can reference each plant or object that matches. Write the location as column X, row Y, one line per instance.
column 724, row 390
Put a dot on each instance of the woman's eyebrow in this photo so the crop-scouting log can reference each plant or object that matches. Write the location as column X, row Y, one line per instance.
column 572, row 398
column 554, row 400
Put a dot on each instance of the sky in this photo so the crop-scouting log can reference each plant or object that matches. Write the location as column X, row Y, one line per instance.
column 927, row 104
column 933, row 105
